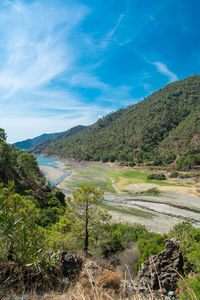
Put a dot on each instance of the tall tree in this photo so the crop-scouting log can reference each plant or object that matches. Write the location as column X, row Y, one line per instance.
column 3, row 135
column 84, row 207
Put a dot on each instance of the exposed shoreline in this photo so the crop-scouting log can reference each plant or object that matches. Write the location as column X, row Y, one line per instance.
column 56, row 173
column 169, row 208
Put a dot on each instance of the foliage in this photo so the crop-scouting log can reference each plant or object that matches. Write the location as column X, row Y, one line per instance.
column 150, row 192
column 189, row 161
column 19, row 235
column 117, row 237
column 22, row 168
column 174, row 174
column 27, row 164
column 190, row 288
column 190, row 246
column 159, row 129
column 2, row 135
column 190, row 243
column 149, row 244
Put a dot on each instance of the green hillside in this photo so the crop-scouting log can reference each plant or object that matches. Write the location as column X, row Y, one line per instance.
column 20, row 172
column 160, row 128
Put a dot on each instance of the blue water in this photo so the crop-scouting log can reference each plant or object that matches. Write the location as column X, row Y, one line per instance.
column 46, row 161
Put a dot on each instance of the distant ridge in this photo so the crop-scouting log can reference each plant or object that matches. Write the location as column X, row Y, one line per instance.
column 29, row 143
column 160, row 128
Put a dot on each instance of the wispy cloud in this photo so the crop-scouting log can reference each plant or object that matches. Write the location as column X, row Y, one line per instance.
column 87, row 80
column 109, row 36
column 36, row 46
column 162, row 68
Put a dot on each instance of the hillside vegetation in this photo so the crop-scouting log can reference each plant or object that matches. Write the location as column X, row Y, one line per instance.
column 160, row 129
column 20, row 173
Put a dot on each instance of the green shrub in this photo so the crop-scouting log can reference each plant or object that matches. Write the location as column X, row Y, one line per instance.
column 190, row 288
column 116, row 237
column 189, row 242
column 174, row 174
column 156, row 176
column 20, row 238
column 149, row 244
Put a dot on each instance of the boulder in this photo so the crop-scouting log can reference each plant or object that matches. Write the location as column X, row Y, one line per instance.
column 71, row 264
column 161, row 272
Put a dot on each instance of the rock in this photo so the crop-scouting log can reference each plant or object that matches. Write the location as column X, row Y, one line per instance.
column 161, row 272
column 71, row 264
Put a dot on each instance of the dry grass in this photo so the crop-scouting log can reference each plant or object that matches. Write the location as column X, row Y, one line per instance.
column 110, row 280
column 97, row 283
column 127, row 260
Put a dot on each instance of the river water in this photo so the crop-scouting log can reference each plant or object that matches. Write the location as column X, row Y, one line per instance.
column 50, row 162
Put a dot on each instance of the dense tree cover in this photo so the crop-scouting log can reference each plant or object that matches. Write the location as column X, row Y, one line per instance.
column 159, row 129
column 188, row 161
column 22, row 169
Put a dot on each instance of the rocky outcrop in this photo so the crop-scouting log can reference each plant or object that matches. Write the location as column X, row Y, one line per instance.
column 161, row 272
column 71, row 264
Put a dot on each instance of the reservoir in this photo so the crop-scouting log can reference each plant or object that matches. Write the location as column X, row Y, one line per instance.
column 46, row 161
column 50, row 167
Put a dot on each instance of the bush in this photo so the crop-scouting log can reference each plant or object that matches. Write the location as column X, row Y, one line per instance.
column 149, row 244
column 117, row 237
column 189, row 242
column 174, row 174
column 156, row 177
column 190, row 288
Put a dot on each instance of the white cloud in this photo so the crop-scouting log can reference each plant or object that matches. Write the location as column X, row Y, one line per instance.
column 162, row 68
column 36, row 46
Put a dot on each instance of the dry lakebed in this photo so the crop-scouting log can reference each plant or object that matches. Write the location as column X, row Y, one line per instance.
column 130, row 196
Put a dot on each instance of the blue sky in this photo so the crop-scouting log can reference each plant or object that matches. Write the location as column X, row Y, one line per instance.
column 65, row 63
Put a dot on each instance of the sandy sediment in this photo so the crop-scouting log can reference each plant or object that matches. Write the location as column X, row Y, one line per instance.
column 51, row 173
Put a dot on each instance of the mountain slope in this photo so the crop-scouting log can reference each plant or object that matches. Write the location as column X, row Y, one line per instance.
column 140, row 131
column 29, row 143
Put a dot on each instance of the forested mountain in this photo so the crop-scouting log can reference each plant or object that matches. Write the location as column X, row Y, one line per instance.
column 29, row 143
column 160, row 128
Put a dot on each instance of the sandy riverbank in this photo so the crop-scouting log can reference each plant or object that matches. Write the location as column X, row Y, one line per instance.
column 53, row 174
